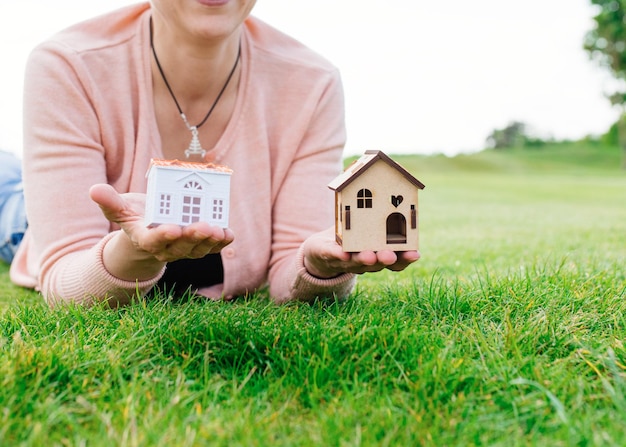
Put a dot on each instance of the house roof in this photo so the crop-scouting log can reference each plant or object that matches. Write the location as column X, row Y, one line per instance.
column 362, row 164
column 189, row 165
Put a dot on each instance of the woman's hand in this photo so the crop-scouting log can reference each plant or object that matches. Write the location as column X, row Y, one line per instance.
column 149, row 248
column 324, row 258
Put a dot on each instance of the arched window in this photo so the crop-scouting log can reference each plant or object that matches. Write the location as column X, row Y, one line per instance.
column 192, row 184
column 364, row 198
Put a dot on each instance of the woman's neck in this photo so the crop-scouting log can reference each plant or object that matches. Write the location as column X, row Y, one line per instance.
column 195, row 68
column 200, row 86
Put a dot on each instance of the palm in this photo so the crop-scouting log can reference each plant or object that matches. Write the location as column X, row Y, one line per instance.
column 125, row 210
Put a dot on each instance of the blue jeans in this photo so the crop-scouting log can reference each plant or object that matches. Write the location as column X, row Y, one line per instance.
column 12, row 212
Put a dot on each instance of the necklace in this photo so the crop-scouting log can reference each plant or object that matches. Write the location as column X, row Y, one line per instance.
column 195, row 148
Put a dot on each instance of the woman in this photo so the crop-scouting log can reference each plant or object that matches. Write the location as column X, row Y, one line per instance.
column 106, row 96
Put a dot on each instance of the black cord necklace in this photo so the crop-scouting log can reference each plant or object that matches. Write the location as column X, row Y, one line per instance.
column 195, row 148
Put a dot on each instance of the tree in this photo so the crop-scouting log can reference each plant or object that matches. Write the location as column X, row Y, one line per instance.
column 606, row 44
column 515, row 134
column 509, row 137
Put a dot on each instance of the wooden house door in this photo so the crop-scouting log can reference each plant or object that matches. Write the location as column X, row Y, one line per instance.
column 396, row 229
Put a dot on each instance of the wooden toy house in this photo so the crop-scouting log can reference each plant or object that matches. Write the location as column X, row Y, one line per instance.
column 181, row 192
column 376, row 205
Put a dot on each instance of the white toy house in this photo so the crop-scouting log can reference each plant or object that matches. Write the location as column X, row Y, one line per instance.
column 182, row 193
column 376, row 205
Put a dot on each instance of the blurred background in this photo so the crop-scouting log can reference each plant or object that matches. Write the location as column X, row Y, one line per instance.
column 420, row 77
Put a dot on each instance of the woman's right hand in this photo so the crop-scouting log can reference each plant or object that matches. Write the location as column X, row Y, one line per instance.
column 142, row 254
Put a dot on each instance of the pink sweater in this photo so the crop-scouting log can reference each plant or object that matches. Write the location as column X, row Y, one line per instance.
column 89, row 118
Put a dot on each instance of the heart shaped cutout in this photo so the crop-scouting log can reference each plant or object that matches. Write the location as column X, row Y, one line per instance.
column 396, row 200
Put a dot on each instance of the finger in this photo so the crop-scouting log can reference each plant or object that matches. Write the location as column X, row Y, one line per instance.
column 364, row 258
column 200, row 231
column 209, row 246
column 158, row 239
column 370, row 261
column 203, row 234
column 411, row 256
column 197, row 240
column 229, row 236
column 386, row 257
column 108, row 199
column 404, row 260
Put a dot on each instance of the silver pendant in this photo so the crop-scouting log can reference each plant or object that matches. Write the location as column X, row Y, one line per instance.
column 195, row 148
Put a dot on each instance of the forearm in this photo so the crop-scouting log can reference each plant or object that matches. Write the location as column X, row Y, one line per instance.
column 128, row 263
column 292, row 282
column 81, row 277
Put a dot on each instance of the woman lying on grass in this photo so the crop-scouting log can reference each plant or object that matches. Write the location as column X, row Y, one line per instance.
column 105, row 96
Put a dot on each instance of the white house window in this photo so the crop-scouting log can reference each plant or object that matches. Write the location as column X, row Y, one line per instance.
column 165, row 204
column 364, row 198
column 192, row 184
column 191, row 209
column 218, row 209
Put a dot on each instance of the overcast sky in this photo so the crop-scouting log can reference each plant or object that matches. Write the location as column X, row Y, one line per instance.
column 419, row 75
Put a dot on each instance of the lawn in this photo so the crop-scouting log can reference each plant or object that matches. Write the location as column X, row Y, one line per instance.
column 509, row 331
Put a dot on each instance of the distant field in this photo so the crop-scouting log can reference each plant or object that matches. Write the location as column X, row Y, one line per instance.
column 509, row 331
column 503, row 211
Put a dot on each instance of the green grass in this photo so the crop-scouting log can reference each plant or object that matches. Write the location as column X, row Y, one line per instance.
column 509, row 331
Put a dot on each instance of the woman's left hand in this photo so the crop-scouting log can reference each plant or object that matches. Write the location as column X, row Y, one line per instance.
column 324, row 257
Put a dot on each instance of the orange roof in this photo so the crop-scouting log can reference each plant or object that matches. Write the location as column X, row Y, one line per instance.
column 194, row 165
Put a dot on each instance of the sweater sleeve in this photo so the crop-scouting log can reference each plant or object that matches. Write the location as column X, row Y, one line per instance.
column 101, row 285
column 63, row 158
column 304, row 204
